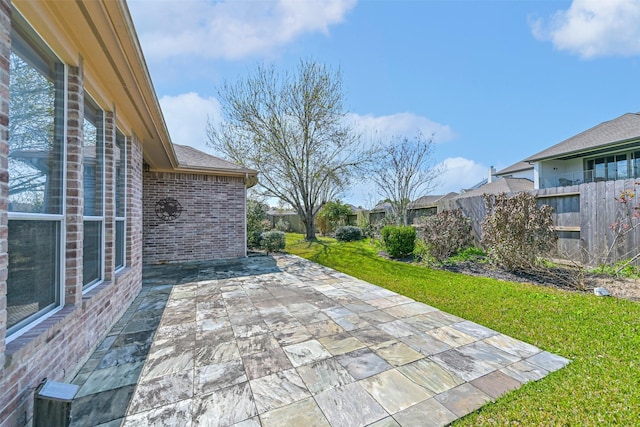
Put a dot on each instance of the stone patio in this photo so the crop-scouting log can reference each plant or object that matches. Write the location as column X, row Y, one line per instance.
column 281, row 341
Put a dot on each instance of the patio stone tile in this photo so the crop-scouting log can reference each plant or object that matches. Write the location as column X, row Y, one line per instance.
column 337, row 312
column 210, row 378
column 408, row 310
column 210, row 353
column 524, row 371
column 463, row 399
column 512, row 346
column 424, row 323
column 381, row 303
column 178, row 413
column 360, row 307
column 397, row 353
column 393, row 391
column 341, row 343
column 183, row 332
column 324, row 328
column 399, row 299
column 251, row 422
column 111, row 378
column 266, row 363
column 372, row 336
column 352, row 322
column 168, row 362
column 451, row 336
column 302, row 413
column 293, row 335
column 102, row 407
column 126, row 354
column 311, row 317
column 548, row 361
column 277, row 390
column 425, row 344
column 257, row 344
column 377, row 316
column 429, row 412
column 363, row 363
column 246, row 330
column 385, row 422
column 488, row 354
column 160, row 391
column 445, row 318
column 474, row 330
column 350, row 405
column 398, row 328
column 281, row 322
column 306, row 352
column 241, row 318
column 224, row 407
column 214, row 324
column 430, row 375
column 203, row 313
column 466, row 367
column 324, row 375
column 496, row 384
column 138, row 338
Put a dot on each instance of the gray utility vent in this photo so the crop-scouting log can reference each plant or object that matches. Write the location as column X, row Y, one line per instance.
column 53, row 404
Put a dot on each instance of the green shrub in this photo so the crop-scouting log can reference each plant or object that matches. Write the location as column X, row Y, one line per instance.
column 399, row 241
column 421, row 252
column 272, row 241
column 446, row 233
column 282, row 225
column 257, row 222
column 349, row 233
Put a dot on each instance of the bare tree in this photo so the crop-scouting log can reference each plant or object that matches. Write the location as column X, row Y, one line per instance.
column 292, row 129
column 406, row 172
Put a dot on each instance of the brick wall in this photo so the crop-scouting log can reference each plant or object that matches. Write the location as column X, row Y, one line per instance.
column 56, row 347
column 211, row 224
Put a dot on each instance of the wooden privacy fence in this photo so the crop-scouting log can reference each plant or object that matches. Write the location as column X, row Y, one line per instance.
column 583, row 216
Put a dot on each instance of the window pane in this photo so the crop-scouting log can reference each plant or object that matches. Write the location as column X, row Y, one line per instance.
column 92, row 253
column 32, row 284
column 119, row 244
column 599, row 169
column 36, row 117
column 93, row 158
column 621, row 166
column 636, row 164
column 120, row 156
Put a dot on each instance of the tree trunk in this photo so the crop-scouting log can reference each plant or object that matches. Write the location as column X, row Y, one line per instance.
column 310, row 226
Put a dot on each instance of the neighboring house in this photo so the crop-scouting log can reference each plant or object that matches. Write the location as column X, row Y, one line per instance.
column 502, row 185
column 427, row 205
column 90, row 189
column 606, row 152
column 288, row 215
column 518, row 170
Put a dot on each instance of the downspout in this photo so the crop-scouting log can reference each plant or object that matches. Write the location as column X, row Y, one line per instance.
column 244, row 218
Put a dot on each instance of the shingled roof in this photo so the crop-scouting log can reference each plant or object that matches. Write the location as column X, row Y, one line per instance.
column 619, row 131
column 191, row 158
column 502, row 185
column 517, row 167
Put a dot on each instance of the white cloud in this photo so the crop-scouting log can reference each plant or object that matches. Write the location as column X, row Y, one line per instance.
column 592, row 28
column 460, row 173
column 230, row 29
column 400, row 124
column 186, row 117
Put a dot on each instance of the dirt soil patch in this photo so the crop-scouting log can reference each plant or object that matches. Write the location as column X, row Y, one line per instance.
column 561, row 278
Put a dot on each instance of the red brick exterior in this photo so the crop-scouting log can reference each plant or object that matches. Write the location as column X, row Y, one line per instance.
column 56, row 347
column 216, row 204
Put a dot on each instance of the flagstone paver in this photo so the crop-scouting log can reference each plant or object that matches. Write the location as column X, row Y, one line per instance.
column 281, row 341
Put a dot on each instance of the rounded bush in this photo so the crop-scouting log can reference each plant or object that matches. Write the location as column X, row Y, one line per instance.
column 272, row 241
column 349, row 233
column 399, row 241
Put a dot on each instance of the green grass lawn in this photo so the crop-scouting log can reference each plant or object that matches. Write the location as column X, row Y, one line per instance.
column 600, row 387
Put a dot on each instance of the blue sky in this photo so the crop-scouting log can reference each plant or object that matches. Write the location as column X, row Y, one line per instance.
column 496, row 81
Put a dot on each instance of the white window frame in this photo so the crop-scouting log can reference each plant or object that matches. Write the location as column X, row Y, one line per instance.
column 122, row 219
column 98, row 218
column 30, row 322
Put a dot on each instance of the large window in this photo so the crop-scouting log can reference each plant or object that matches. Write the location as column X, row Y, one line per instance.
column 120, row 154
column 93, row 163
column 612, row 167
column 36, row 174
